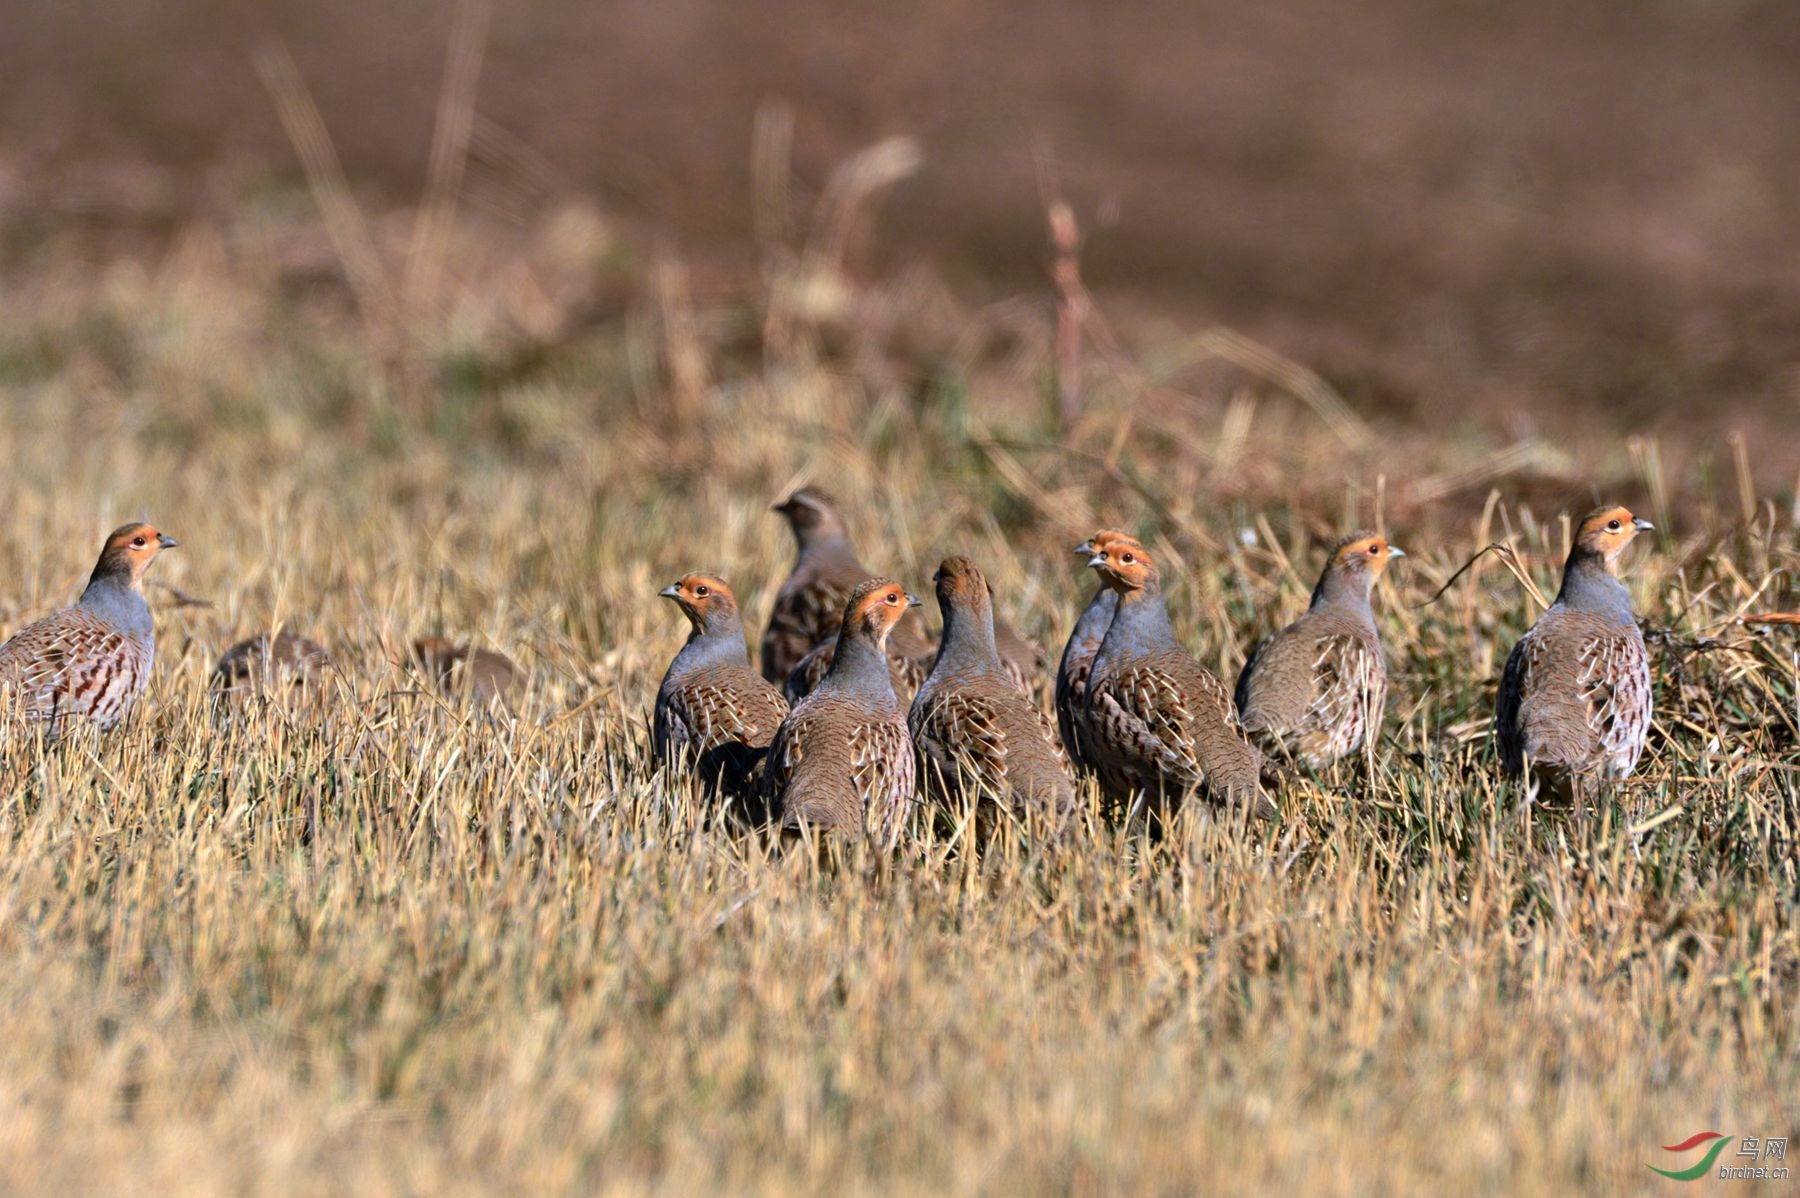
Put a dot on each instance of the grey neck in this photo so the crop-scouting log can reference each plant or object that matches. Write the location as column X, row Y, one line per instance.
column 1345, row 591
column 859, row 667
column 1588, row 586
column 711, row 647
column 968, row 643
column 119, row 604
column 1140, row 624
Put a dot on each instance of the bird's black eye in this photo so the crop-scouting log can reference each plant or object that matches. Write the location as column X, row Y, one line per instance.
column 1127, row 558
column 702, row 591
column 139, row 542
column 1612, row 526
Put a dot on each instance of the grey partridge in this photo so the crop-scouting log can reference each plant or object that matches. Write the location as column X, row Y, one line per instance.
column 483, row 675
column 1575, row 701
column 842, row 760
column 810, row 604
column 90, row 661
column 714, row 714
column 976, row 734
column 1078, row 653
column 1317, row 688
column 261, row 662
column 1156, row 721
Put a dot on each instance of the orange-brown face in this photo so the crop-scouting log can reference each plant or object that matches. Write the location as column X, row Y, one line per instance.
column 133, row 547
column 698, row 595
column 1099, row 541
column 1608, row 530
column 1124, row 563
column 1366, row 552
column 877, row 606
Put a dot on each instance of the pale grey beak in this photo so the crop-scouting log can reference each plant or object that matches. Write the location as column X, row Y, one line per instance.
column 1086, row 547
column 166, row 541
column 1643, row 525
column 1098, row 560
column 912, row 600
column 1396, row 551
column 670, row 592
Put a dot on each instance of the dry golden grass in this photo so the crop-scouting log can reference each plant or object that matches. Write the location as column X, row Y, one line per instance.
column 389, row 945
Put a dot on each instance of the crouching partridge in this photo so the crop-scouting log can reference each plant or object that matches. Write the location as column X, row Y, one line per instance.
column 974, row 730
column 714, row 714
column 1317, row 688
column 1575, row 701
column 842, row 760
column 1156, row 721
column 90, row 661
column 258, row 664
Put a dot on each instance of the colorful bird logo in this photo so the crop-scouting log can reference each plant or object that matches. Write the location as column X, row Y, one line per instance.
column 1706, row 1162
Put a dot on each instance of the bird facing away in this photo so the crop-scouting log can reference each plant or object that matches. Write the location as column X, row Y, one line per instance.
column 89, row 661
column 1156, row 720
column 842, row 760
column 810, row 604
column 1575, row 701
column 484, row 675
column 1317, row 688
column 971, row 726
column 1078, row 653
column 261, row 662
column 714, row 714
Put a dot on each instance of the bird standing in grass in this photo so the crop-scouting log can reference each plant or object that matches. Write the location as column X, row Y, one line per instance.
column 1575, row 701
column 1078, row 653
column 970, row 724
column 90, row 661
column 1156, row 721
column 810, row 604
column 1317, row 688
column 257, row 664
column 842, row 760
column 714, row 714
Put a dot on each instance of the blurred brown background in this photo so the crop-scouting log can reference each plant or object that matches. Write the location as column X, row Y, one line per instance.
column 1442, row 206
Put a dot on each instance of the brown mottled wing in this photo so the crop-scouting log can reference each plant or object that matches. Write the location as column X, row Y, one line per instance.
column 1349, row 685
column 720, row 713
column 74, row 664
column 1172, row 718
column 1575, row 696
column 809, row 609
column 1003, row 746
column 882, row 770
column 835, row 768
column 1276, row 687
column 722, row 724
column 1615, row 684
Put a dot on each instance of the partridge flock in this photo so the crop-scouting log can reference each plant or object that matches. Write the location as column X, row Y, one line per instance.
column 856, row 713
column 881, row 718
